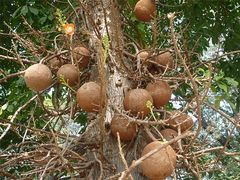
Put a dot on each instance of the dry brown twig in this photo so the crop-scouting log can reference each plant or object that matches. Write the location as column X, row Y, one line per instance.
column 230, row 119
column 14, row 59
column 122, row 157
column 149, row 133
column 11, row 76
column 171, row 17
column 100, row 165
column 15, row 115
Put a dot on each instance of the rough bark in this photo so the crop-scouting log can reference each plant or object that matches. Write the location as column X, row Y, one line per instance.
column 113, row 76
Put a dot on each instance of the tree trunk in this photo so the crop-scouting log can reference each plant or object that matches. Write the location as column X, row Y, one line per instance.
column 113, row 77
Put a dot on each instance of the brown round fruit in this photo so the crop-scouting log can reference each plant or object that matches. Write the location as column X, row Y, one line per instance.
column 89, row 96
column 144, row 10
column 169, row 134
column 161, row 164
column 160, row 92
column 38, row 77
column 54, row 64
column 69, row 73
column 81, row 56
column 165, row 59
column 127, row 131
column 136, row 100
column 143, row 55
column 180, row 119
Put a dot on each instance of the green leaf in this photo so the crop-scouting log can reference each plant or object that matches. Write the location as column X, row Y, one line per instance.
column 4, row 107
column 30, row 20
column 24, row 10
column 43, row 19
column 231, row 81
column 233, row 106
column 50, row 17
column 31, row 3
column 200, row 71
column 33, row 10
column 81, row 119
column 10, row 108
column 223, row 86
column 16, row 12
column 213, row 88
column 217, row 101
column 219, row 76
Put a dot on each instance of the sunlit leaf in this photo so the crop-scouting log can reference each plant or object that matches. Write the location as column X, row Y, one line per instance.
column 24, row 10
column 34, row 10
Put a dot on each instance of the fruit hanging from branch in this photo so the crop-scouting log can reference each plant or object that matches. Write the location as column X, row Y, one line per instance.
column 144, row 10
column 182, row 120
column 38, row 77
column 161, row 164
column 81, row 56
column 160, row 92
column 169, row 134
column 143, row 55
column 136, row 100
column 127, row 131
column 54, row 64
column 89, row 97
column 69, row 74
column 165, row 60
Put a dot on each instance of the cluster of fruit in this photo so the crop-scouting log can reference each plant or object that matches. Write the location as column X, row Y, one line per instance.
column 38, row 77
column 161, row 164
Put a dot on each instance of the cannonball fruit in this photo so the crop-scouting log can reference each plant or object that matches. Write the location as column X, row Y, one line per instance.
column 160, row 92
column 38, row 77
column 180, row 119
column 127, row 131
column 69, row 73
column 54, row 64
column 169, row 134
column 161, row 164
column 81, row 56
column 144, row 10
column 143, row 55
column 89, row 96
column 136, row 100
column 165, row 59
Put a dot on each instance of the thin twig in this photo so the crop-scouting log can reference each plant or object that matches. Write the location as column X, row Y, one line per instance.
column 11, row 76
column 230, row 119
column 149, row 133
column 15, row 115
column 122, row 157
column 171, row 17
column 101, row 166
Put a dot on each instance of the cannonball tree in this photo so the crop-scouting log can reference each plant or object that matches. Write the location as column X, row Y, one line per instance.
column 119, row 89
